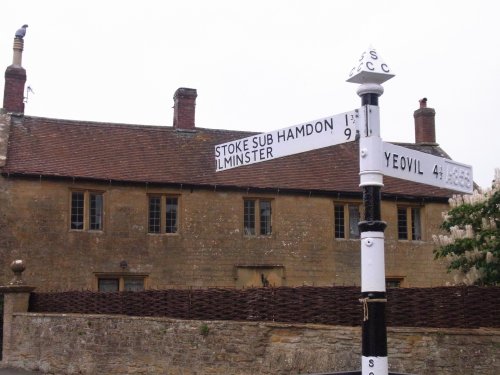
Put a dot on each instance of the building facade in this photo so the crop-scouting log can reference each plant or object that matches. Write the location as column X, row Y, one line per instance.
column 103, row 206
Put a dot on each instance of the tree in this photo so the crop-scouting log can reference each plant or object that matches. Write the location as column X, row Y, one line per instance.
column 471, row 245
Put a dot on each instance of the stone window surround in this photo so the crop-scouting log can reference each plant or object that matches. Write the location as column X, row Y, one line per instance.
column 346, row 219
column 257, row 217
column 86, row 209
column 120, row 276
column 162, row 212
column 413, row 232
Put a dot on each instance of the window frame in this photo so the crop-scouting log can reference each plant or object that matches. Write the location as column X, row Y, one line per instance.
column 342, row 230
column 260, row 225
column 163, row 214
column 409, row 231
column 390, row 280
column 87, row 211
column 121, row 277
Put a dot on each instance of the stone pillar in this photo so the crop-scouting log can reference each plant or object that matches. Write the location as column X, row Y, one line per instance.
column 16, row 300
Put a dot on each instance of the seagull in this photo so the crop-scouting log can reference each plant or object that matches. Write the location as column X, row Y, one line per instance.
column 21, row 32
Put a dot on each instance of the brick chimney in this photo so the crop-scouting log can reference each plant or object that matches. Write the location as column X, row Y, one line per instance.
column 15, row 79
column 184, row 108
column 425, row 126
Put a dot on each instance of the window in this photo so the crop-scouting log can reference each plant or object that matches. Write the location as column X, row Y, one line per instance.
column 394, row 282
column 254, row 222
column 409, row 223
column 87, row 210
column 346, row 219
column 163, row 214
column 119, row 283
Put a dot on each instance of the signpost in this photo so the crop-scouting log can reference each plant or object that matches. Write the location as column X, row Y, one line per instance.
column 376, row 159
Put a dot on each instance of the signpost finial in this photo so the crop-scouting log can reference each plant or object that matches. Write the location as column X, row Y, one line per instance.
column 370, row 68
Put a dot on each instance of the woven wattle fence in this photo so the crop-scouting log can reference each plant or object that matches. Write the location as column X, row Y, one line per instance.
column 446, row 307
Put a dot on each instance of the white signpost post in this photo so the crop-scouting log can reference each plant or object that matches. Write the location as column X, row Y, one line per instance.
column 376, row 159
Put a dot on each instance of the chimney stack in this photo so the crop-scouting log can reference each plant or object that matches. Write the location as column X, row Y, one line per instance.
column 184, row 108
column 425, row 126
column 15, row 79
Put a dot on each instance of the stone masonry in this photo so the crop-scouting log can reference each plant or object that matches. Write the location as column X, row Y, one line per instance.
column 210, row 245
column 100, row 344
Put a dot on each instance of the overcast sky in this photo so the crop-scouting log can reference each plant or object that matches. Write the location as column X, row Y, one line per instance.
column 261, row 65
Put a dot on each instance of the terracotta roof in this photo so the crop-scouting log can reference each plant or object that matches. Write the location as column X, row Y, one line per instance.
column 162, row 154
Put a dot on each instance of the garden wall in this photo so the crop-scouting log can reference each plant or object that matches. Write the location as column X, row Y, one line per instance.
column 110, row 344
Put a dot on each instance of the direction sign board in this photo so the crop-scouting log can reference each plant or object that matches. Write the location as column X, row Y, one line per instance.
column 295, row 139
column 408, row 164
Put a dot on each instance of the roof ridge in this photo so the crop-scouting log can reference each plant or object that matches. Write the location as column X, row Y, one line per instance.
column 129, row 126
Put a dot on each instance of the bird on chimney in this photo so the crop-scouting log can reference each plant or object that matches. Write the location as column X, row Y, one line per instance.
column 21, row 32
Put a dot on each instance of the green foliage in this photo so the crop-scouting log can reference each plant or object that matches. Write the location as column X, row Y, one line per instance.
column 204, row 330
column 472, row 243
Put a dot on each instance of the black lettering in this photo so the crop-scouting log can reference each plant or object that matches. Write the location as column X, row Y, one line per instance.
column 238, row 146
column 402, row 163
column 281, row 136
column 373, row 54
column 320, row 129
column 300, row 131
column 370, row 67
column 228, row 161
column 262, row 141
column 269, row 139
column 239, row 159
column 387, row 157
column 395, row 161
column 410, row 164
column 217, row 151
column 247, row 157
column 385, row 68
column 269, row 153
column 309, row 129
column 254, row 152
column 255, row 142
column 330, row 124
column 371, row 363
column 419, row 171
column 261, row 154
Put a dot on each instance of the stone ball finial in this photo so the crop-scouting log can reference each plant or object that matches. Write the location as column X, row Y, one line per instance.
column 18, row 266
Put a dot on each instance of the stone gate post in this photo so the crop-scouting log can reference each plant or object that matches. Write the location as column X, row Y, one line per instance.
column 16, row 299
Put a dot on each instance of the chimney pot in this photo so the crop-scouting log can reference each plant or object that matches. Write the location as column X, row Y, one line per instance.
column 184, row 108
column 425, row 126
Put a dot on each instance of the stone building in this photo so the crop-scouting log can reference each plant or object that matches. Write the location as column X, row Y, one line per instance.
column 113, row 206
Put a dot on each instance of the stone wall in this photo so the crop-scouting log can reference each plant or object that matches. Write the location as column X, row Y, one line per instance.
column 100, row 344
column 210, row 245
